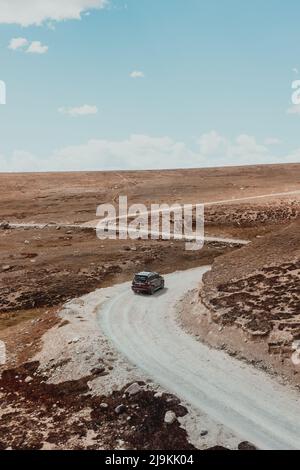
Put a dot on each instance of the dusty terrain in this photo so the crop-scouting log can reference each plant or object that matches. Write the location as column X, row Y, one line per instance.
column 74, row 393
column 42, row 268
column 245, row 400
column 253, row 297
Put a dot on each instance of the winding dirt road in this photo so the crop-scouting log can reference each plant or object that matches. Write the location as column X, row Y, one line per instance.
column 246, row 400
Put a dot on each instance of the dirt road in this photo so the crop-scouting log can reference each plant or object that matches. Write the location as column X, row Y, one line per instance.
column 246, row 400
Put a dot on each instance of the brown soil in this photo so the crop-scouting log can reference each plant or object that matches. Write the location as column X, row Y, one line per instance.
column 257, row 289
column 42, row 268
column 73, row 197
column 66, row 416
column 54, row 265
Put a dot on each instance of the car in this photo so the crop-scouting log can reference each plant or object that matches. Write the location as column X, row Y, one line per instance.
column 147, row 283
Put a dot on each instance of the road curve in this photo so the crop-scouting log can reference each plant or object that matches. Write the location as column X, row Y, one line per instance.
column 246, row 400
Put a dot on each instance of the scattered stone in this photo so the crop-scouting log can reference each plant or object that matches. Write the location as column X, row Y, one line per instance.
column 104, row 406
column 98, row 370
column 120, row 409
column 120, row 443
column 6, row 267
column 74, row 340
column 133, row 389
column 170, row 417
column 4, row 225
column 26, row 242
column 28, row 379
column 245, row 445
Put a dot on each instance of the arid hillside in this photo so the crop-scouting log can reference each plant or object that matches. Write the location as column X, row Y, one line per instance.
column 73, row 197
column 257, row 289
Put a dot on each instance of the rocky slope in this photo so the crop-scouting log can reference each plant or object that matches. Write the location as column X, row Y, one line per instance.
column 257, row 289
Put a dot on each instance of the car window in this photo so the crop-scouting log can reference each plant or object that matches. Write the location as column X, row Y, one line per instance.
column 141, row 278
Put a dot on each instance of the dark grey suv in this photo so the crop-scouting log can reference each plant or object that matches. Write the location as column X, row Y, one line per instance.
column 147, row 283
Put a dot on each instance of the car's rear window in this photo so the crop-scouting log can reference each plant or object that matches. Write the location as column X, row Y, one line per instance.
column 141, row 278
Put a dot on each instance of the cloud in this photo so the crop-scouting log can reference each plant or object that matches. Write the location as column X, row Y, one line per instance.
column 84, row 110
column 139, row 152
column 295, row 109
column 36, row 47
column 137, row 74
column 272, row 141
column 136, row 152
column 212, row 143
column 36, row 12
column 17, row 43
column 243, row 149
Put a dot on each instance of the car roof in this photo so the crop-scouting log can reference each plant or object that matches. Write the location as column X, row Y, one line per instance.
column 146, row 274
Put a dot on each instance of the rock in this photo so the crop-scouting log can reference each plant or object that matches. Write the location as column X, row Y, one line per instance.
column 4, row 225
column 26, row 242
column 133, row 389
column 98, row 370
column 104, row 406
column 6, row 267
column 296, row 345
column 120, row 409
column 28, row 379
column 120, row 443
column 204, row 432
column 158, row 394
column 74, row 340
column 170, row 417
column 245, row 445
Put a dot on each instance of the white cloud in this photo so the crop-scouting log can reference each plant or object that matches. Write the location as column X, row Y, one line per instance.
column 144, row 152
column 294, row 109
column 36, row 12
column 36, row 47
column 84, row 110
column 272, row 141
column 137, row 74
column 212, row 143
column 17, row 43
column 244, row 149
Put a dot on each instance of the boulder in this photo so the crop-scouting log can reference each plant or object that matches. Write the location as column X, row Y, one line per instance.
column 120, row 409
column 170, row 417
column 133, row 389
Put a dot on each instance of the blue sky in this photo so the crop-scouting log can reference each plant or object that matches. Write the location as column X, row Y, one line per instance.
column 213, row 86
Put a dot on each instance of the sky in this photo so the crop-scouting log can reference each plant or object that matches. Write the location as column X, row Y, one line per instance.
column 144, row 84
